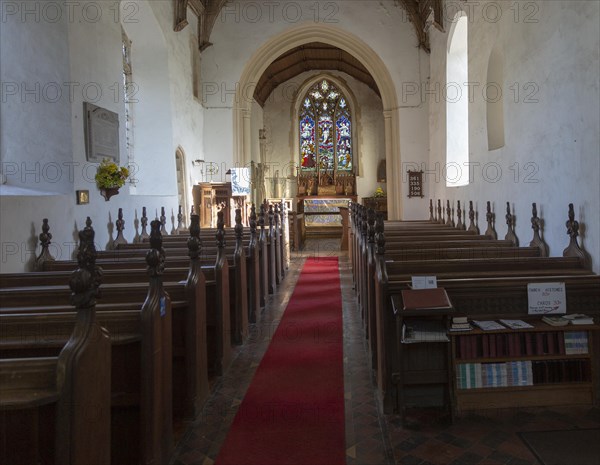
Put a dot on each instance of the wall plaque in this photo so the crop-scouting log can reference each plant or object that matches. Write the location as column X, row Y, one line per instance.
column 101, row 133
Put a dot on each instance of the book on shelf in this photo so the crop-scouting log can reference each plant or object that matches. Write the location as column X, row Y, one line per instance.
column 460, row 323
column 576, row 342
column 423, row 331
column 555, row 320
column 522, row 373
column 579, row 319
column 490, row 375
column 515, row 324
column 488, row 325
column 461, row 327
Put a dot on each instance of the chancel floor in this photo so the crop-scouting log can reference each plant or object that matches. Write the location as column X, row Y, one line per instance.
column 425, row 438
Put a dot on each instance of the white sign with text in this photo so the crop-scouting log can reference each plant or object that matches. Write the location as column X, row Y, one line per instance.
column 424, row 282
column 546, row 298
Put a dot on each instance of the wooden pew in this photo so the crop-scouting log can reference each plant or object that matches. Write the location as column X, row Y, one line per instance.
column 215, row 309
column 187, row 287
column 141, row 337
column 263, row 257
column 238, row 285
column 57, row 409
column 175, row 245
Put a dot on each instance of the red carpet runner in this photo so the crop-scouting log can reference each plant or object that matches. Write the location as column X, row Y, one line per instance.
column 293, row 412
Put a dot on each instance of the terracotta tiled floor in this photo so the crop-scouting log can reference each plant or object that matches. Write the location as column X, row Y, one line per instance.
column 371, row 437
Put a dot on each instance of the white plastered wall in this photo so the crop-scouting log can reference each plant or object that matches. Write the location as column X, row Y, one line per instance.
column 551, row 118
column 84, row 49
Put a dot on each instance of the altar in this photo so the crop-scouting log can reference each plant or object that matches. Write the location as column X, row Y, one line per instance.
column 322, row 216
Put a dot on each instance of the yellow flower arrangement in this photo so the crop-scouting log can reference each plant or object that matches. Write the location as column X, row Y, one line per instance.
column 110, row 175
column 379, row 192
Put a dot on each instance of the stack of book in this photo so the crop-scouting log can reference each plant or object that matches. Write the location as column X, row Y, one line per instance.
column 555, row 320
column 579, row 319
column 488, row 325
column 573, row 318
column 460, row 323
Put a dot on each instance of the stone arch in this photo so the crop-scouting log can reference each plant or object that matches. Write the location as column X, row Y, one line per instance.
column 182, row 185
column 307, row 33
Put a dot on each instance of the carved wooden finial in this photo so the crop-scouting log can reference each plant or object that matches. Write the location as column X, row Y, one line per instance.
column 261, row 216
column 489, row 216
column 510, row 223
column 144, row 220
column 379, row 235
column 449, row 220
column 239, row 228
column 220, row 230
column 155, row 258
column 371, row 226
column 277, row 215
column 179, row 219
column 45, row 241
column 194, row 243
column 459, row 223
column 85, row 280
column 120, row 223
column 573, row 249
column 536, row 225
column 431, row 217
column 440, row 217
column 572, row 224
column 271, row 214
column 252, row 220
column 472, row 226
column 163, row 222
column 363, row 222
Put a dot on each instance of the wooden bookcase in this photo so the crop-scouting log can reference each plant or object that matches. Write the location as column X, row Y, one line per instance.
column 423, row 366
column 557, row 378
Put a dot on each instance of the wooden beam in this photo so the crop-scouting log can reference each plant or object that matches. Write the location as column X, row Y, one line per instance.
column 180, row 14
column 414, row 14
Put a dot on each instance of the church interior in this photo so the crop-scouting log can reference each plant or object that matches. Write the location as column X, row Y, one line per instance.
column 255, row 232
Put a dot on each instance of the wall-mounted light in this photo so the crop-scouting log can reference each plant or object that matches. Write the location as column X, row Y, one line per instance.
column 197, row 162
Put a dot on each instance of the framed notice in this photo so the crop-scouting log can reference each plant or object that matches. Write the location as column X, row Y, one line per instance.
column 546, row 298
column 240, row 181
column 415, row 184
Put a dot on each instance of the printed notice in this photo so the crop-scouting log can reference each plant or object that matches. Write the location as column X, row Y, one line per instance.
column 546, row 298
column 424, row 282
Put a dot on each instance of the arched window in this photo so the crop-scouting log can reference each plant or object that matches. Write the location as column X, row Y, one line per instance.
column 128, row 90
column 325, row 124
column 457, row 104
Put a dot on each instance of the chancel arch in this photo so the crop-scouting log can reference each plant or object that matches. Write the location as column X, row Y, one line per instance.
column 309, row 33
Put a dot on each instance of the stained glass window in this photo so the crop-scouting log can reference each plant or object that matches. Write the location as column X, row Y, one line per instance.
column 325, row 129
